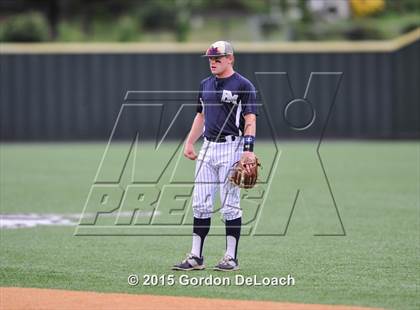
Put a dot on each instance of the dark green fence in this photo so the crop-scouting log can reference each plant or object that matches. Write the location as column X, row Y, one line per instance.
column 79, row 96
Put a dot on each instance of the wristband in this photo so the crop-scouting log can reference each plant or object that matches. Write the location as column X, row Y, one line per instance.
column 249, row 143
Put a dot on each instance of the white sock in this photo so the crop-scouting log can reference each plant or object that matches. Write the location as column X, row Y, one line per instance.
column 196, row 245
column 231, row 246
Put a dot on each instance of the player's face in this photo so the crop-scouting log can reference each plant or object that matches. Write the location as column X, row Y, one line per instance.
column 218, row 65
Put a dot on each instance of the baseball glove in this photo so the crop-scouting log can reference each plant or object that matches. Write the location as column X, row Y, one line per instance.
column 243, row 177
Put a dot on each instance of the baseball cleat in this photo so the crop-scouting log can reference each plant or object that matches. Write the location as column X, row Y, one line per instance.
column 192, row 262
column 227, row 263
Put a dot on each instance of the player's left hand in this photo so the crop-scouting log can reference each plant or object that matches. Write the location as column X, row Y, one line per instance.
column 245, row 172
column 248, row 157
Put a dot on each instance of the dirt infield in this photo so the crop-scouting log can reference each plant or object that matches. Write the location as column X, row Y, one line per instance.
column 34, row 298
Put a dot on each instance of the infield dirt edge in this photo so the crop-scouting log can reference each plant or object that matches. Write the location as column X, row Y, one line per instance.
column 36, row 298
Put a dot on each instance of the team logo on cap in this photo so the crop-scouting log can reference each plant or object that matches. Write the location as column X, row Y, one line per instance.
column 213, row 51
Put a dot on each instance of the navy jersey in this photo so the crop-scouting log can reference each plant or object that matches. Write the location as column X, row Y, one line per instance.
column 224, row 103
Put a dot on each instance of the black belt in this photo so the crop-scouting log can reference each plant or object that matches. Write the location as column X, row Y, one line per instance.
column 219, row 139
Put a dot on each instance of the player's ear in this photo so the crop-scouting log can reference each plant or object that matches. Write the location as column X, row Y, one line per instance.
column 231, row 59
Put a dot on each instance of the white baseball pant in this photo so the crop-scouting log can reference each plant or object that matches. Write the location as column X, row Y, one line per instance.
column 214, row 166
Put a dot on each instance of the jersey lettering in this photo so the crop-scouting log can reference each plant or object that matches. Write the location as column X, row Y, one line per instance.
column 228, row 97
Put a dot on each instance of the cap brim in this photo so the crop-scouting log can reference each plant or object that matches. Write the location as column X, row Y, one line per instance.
column 220, row 55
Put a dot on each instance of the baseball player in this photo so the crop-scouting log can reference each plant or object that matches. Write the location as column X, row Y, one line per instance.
column 226, row 116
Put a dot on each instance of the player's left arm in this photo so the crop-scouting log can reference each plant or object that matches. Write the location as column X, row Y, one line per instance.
column 250, row 115
column 248, row 156
column 250, row 124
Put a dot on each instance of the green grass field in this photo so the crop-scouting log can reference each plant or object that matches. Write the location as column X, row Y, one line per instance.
column 375, row 185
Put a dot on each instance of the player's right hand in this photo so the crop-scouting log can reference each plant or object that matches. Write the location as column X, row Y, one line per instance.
column 189, row 151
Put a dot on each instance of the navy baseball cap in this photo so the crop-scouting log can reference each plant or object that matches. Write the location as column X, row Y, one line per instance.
column 219, row 48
